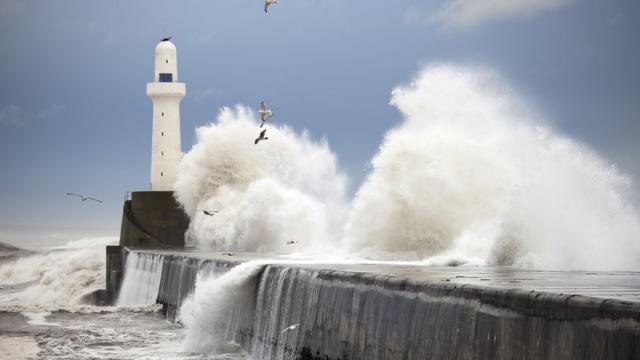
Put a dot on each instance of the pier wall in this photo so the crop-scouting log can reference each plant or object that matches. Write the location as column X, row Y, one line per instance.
column 349, row 315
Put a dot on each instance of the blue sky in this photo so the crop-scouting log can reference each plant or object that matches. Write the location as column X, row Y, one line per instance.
column 74, row 115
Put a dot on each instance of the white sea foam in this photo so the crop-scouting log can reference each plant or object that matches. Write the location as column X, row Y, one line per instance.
column 472, row 175
column 472, row 172
column 60, row 277
column 285, row 189
column 218, row 305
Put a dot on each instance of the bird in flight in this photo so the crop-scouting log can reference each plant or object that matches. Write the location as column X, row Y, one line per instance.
column 261, row 137
column 84, row 197
column 291, row 242
column 291, row 327
column 209, row 212
column 166, row 39
column 268, row 3
column 265, row 112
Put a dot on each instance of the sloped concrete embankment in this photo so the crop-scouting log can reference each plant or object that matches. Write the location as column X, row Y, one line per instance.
column 347, row 315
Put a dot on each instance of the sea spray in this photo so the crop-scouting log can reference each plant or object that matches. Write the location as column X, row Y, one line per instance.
column 60, row 277
column 473, row 173
column 286, row 189
column 220, row 306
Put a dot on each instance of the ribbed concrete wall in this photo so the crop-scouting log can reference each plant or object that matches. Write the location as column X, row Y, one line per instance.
column 349, row 315
column 357, row 316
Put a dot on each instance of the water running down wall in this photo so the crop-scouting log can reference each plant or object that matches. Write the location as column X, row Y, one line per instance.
column 346, row 315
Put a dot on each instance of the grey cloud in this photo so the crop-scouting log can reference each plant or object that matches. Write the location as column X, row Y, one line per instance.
column 50, row 111
column 206, row 94
column 11, row 7
column 468, row 13
column 11, row 115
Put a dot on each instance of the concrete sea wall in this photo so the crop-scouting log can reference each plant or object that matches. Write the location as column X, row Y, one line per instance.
column 153, row 219
column 356, row 315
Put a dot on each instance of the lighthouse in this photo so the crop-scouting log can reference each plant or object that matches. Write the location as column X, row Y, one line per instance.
column 166, row 93
column 154, row 218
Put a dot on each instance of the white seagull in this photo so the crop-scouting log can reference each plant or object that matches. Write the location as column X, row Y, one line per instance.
column 261, row 137
column 291, row 327
column 84, row 197
column 268, row 3
column 265, row 112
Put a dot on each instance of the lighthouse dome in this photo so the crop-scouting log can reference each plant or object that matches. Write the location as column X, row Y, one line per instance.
column 166, row 62
column 165, row 47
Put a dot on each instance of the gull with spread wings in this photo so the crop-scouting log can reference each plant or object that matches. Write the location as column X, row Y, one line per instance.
column 268, row 3
column 289, row 328
column 262, row 136
column 265, row 112
column 84, row 197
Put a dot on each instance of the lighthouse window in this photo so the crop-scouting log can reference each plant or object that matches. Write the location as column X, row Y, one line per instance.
column 166, row 77
column 162, row 114
column 162, row 133
column 161, row 173
column 162, row 153
column 166, row 61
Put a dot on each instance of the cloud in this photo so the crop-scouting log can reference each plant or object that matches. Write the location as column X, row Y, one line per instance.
column 50, row 111
column 11, row 7
column 11, row 115
column 468, row 13
column 206, row 94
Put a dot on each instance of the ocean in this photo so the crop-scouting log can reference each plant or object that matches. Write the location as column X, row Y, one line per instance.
column 45, row 311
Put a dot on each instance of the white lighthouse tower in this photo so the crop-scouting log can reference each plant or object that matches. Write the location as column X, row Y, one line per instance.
column 166, row 93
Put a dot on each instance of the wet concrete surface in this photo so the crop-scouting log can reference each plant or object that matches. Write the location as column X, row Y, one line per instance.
column 616, row 285
column 403, row 310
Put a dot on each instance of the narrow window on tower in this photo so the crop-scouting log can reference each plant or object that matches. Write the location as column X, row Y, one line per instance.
column 162, row 153
column 162, row 133
column 162, row 114
column 161, row 173
column 166, row 61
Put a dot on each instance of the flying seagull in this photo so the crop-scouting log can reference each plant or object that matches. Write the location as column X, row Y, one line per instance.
column 268, row 3
column 291, row 242
column 261, row 137
column 209, row 212
column 291, row 327
column 166, row 39
column 84, row 197
column 265, row 112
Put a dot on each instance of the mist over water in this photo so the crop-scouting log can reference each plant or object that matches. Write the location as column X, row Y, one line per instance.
column 472, row 175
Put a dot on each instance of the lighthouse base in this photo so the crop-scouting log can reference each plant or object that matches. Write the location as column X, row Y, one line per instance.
column 153, row 219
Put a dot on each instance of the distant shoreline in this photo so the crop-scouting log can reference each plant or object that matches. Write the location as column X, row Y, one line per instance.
column 10, row 252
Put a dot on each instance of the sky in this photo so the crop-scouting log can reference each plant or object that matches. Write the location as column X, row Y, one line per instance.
column 74, row 115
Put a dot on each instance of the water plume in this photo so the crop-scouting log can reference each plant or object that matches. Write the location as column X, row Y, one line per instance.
column 217, row 307
column 473, row 172
column 285, row 189
column 472, row 175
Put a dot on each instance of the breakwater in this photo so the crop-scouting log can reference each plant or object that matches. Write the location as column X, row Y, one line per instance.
column 356, row 311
